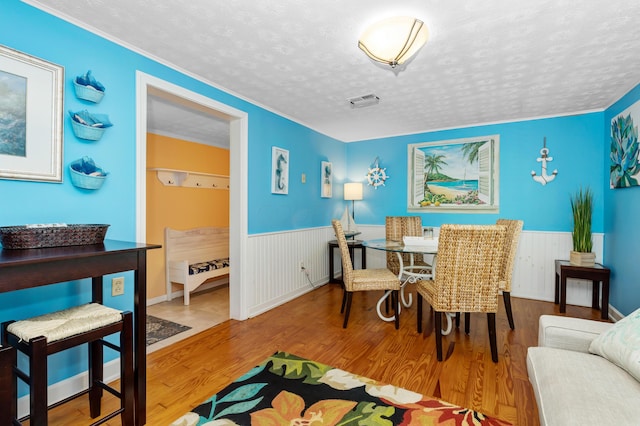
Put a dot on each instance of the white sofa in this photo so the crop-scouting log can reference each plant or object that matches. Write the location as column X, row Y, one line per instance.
column 572, row 385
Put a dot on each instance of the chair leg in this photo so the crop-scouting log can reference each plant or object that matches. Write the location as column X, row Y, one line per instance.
column 457, row 319
column 507, row 305
column 419, row 303
column 439, row 335
column 38, row 382
column 467, row 322
column 348, row 309
column 396, row 307
column 95, row 377
column 126, row 370
column 491, row 322
column 344, row 300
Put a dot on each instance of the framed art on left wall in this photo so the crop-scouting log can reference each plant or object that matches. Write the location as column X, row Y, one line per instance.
column 31, row 102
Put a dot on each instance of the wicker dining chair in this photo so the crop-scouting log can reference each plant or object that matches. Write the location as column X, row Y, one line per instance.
column 397, row 227
column 364, row 279
column 513, row 230
column 467, row 278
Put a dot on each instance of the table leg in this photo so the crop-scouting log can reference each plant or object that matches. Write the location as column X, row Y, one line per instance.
column 595, row 294
column 352, row 254
column 331, row 277
column 96, row 290
column 449, row 317
column 563, row 292
column 604, row 312
column 557, row 292
column 379, row 307
column 139, row 339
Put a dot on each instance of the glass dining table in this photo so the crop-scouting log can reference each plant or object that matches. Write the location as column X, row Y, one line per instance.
column 410, row 273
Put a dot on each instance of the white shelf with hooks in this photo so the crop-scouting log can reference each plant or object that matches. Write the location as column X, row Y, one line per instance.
column 172, row 177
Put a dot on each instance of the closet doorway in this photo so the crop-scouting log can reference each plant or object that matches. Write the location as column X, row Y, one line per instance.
column 232, row 123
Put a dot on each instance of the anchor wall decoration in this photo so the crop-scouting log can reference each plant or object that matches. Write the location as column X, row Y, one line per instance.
column 544, row 178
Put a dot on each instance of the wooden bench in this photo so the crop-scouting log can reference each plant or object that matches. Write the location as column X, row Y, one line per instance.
column 194, row 256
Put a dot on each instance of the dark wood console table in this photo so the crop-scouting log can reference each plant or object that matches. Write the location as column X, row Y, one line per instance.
column 20, row 269
column 596, row 274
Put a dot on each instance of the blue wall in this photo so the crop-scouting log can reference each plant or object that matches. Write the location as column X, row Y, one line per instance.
column 36, row 33
column 622, row 235
column 574, row 142
column 302, row 207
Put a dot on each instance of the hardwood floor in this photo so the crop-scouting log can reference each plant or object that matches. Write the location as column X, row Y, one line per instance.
column 186, row 373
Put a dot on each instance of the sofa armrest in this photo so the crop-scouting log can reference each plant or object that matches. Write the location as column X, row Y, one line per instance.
column 569, row 333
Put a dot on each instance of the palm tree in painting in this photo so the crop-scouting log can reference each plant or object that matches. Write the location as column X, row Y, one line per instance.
column 432, row 165
column 470, row 151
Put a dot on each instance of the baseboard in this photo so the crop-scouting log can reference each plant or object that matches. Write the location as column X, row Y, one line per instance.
column 260, row 309
column 180, row 293
column 65, row 388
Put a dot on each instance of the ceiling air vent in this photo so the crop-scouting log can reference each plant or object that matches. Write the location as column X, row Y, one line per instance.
column 364, row 101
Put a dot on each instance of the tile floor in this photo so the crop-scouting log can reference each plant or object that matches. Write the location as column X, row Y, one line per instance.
column 206, row 309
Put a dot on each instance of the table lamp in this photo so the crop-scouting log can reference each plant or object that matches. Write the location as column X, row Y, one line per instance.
column 353, row 192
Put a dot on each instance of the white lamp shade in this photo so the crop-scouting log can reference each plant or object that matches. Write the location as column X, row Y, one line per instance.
column 394, row 40
column 353, row 191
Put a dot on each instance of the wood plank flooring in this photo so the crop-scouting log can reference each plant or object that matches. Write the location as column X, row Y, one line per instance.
column 186, row 373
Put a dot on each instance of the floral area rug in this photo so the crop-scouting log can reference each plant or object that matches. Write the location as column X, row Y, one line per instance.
column 159, row 329
column 289, row 390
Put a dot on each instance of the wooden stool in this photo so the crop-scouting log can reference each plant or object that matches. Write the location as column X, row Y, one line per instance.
column 44, row 335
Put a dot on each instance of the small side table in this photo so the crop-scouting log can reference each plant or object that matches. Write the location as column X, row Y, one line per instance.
column 597, row 274
column 353, row 244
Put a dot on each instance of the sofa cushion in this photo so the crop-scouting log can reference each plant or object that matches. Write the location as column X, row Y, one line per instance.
column 621, row 344
column 577, row 388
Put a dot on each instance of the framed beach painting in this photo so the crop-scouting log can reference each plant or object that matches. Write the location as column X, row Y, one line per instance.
column 279, row 170
column 326, row 179
column 31, row 96
column 624, row 170
column 460, row 175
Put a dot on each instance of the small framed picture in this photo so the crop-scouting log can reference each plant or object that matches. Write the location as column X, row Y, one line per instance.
column 326, row 180
column 279, row 170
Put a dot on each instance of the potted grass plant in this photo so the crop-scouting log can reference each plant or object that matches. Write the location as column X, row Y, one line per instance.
column 581, row 207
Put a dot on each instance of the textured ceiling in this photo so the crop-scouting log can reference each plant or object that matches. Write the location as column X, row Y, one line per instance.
column 181, row 122
column 487, row 61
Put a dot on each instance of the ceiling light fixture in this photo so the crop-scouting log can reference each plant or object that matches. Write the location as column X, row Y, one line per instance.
column 394, row 40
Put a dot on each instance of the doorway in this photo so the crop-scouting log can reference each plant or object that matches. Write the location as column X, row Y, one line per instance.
column 238, row 129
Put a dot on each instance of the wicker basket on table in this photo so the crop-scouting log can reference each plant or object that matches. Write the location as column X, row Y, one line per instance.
column 26, row 237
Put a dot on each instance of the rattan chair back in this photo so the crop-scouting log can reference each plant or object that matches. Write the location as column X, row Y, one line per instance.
column 469, row 269
column 397, row 227
column 513, row 230
column 347, row 266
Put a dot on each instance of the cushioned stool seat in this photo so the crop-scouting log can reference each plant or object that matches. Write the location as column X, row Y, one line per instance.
column 47, row 334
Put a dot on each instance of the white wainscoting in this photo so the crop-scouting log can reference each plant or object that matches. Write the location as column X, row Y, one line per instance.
column 275, row 276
